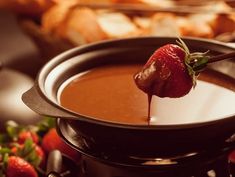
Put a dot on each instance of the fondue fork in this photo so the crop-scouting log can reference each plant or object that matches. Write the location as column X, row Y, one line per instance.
column 222, row 57
column 210, row 59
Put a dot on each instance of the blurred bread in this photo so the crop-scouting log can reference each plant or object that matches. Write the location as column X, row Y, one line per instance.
column 142, row 22
column 219, row 23
column 199, row 26
column 48, row 45
column 158, row 3
column 165, row 24
column 52, row 21
column 82, row 27
column 222, row 21
column 63, row 24
column 217, row 7
column 168, row 24
column 94, row 1
column 224, row 24
column 117, row 25
column 27, row 7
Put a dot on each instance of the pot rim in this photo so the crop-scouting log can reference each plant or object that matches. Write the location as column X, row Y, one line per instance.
column 39, row 84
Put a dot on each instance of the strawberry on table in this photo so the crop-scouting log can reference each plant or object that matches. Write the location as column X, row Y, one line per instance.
column 231, row 157
column 23, row 144
column 26, row 134
column 52, row 141
column 171, row 71
column 29, row 151
column 18, row 167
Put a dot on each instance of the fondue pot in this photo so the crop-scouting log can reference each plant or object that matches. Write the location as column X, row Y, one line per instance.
column 122, row 144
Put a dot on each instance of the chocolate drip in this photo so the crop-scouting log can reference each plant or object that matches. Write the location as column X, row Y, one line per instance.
column 149, row 107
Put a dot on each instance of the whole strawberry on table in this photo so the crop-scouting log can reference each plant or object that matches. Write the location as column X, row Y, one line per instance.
column 24, row 150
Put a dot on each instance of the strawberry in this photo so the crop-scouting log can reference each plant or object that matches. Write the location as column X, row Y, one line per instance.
column 25, row 134
column 18, row 167
column 40, row 153
column 171, row 71
column 231, row 157
column 30, row 152
column 52, row 141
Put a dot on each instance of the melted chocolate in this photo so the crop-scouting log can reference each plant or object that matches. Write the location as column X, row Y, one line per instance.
column 109, row 93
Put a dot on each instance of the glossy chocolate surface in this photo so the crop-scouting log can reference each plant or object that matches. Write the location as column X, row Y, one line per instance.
column 109, row 93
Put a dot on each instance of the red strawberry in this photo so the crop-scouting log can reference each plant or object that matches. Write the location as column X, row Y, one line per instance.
column 18, row 167
column 171, row 71
column 24, row 135
column 21, row 151
column 231, row 157
column 52, row 141
column 16, row 149
column 40, row 153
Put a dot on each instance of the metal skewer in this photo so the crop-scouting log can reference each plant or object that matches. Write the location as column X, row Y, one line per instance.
column 222, row 57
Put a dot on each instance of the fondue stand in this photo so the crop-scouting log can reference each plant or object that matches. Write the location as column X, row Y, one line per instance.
column 209, row 163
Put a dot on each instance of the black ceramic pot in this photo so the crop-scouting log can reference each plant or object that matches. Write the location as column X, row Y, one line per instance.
column 124, row 142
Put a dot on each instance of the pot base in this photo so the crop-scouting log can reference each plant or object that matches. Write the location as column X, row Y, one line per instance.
column 93, row 168
column 198, row 164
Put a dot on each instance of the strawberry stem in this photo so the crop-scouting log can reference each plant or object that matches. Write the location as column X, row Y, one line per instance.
column 195, row 61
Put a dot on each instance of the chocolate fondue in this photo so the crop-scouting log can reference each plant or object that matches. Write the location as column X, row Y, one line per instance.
column 109, row 93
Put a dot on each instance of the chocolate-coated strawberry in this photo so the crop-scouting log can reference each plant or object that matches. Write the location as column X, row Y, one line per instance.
column 18, row 167
column 171, row 71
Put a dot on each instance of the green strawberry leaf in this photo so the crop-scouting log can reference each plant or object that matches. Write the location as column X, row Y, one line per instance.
column 28, row 147
column 29, row 153
column 13, row 130
column 4, row 162
column 46, row 124
column 200, row 64
column 4, row 150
